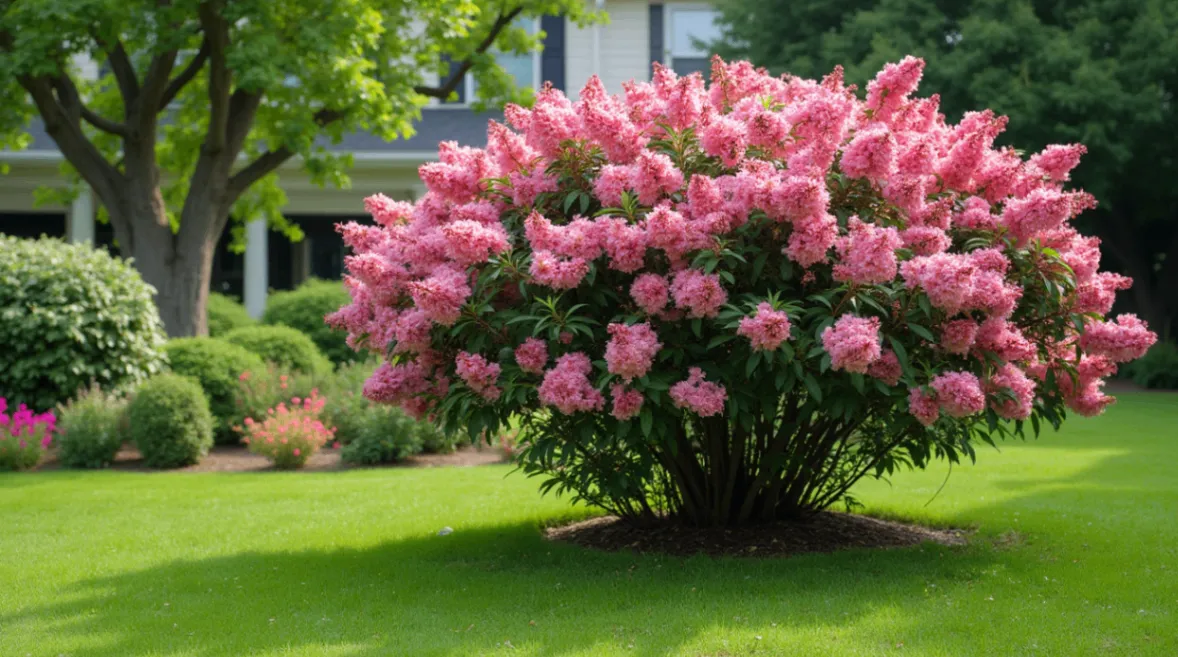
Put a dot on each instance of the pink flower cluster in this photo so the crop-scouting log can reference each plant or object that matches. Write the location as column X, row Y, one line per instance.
column 631, row 350
column 766, row 329
column 289, row 434
column 479, row 375
column 24, row 436
column 532, row 355
column 853, row 343
column 704, row 398
column 567, row 387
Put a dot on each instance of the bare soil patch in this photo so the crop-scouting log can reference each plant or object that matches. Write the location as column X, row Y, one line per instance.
column 824, row 532
column 237, row 458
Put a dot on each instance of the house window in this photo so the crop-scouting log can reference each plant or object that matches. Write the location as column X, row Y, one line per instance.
column 689, row 30
column 525, row 69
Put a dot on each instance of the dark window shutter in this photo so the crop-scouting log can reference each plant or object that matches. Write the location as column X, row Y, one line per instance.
column 657, row 47
column 552, row 58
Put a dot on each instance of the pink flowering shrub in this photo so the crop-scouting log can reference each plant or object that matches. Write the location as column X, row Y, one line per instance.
column 731, row 301
column 288, row 434
column 24, row 436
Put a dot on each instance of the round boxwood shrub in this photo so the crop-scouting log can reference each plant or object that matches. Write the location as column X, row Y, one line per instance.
column 226, row 314
column 282, row 345
column 70, row 315
column 304, row 309
column 217, row 366
column 89, row 431
column 170, row 421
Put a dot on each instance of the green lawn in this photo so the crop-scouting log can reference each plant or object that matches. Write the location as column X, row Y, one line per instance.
column 1076, row 553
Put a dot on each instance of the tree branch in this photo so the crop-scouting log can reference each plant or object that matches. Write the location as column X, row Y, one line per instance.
column 443, row 92
column 177, row 84
column 123, row 70
column 216, row 31
column 267, row 162
column 102, row 123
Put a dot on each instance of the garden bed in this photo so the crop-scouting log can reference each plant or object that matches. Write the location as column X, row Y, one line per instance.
column 823, row 533
column 239, row 459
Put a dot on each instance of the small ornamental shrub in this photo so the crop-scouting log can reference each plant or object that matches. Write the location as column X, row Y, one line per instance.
column 217, row 366
column 226, row 314
column 729, row 303
column 383, row 435
column 1158, row 368
column 170, row 421
column 90, row 429
column 281, row 345
column 288, row 434
column 71, row 314
column 258, row 392
column 24, row 436
column 304, row 308
column 435, row 441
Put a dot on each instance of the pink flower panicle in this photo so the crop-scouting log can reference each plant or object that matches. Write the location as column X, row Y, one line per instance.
column 704, row 398
column 532, row 355
column 479, row 374
column 959, row 393
column 566, row 386
column 631, row 350
column 627, row 402
column 853, row 343
column 766, row 329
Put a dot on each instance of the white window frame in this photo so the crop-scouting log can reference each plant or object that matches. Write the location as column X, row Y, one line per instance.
column 670, row 9
column 468, row 83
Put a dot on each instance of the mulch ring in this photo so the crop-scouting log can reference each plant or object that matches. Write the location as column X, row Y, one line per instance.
column 237, row 458
column 824, row 532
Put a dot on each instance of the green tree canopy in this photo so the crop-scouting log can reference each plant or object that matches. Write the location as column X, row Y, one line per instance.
column 1100, row 72
column 198, row 102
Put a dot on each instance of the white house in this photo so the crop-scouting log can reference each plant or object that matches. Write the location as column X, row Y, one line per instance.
column 638, row 33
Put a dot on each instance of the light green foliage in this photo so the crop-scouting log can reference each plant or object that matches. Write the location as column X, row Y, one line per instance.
column 1100, row 72
column 305, row 307
column 1073, row 556
column 71, row 315
column 283, row 346
column 226, row 314
column 90, row 429
column 217, row 365
column 170, row 421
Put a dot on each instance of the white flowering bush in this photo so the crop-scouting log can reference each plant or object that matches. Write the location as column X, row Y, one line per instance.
column 726, row 303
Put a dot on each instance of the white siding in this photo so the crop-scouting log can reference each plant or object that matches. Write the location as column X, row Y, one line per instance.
column 625, row 47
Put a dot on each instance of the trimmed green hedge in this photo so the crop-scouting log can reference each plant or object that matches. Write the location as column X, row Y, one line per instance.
column 170, row 422
column 304, row 309
column 217, row 366
column 283, row 346
column 226, row 314
column 71, row 315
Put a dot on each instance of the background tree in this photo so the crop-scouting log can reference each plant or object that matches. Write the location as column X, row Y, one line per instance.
column 1100, row 72
column 198, row 102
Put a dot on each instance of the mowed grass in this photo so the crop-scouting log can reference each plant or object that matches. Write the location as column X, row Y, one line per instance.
column 1076, row 553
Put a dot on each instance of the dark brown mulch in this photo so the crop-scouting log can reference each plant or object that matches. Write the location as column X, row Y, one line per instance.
column 237, row 458
column 824, row 532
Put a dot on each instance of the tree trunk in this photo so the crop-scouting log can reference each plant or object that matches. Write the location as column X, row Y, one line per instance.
column 178, row 264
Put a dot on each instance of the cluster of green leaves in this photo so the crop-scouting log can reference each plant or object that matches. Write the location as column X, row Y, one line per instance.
column 72, row 315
